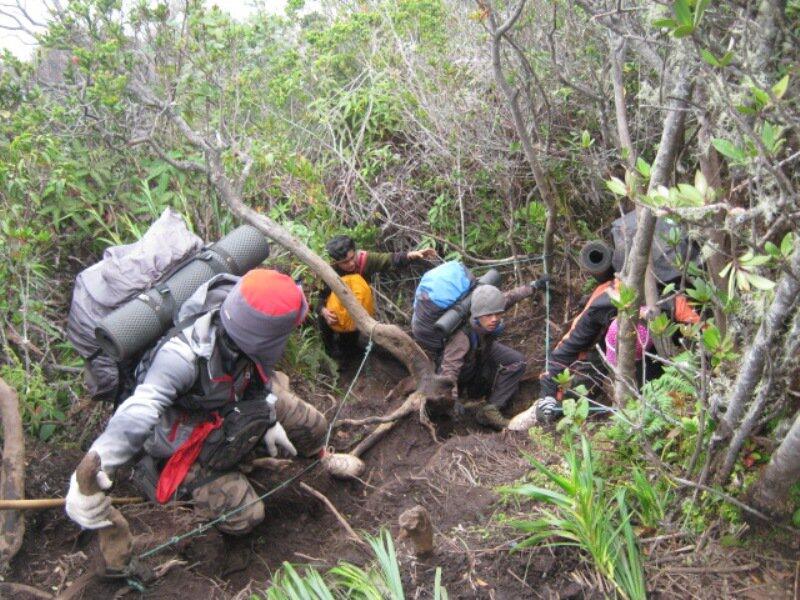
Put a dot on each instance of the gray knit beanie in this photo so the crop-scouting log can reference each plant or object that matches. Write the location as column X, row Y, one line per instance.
column 487, row 300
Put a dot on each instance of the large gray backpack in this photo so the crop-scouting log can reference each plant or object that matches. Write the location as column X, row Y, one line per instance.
column 125, row 303
column 124, row 272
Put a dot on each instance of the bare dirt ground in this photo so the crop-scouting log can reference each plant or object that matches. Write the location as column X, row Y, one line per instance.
column 456, row 479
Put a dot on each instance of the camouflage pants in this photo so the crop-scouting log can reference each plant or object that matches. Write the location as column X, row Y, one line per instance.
column 229, row 492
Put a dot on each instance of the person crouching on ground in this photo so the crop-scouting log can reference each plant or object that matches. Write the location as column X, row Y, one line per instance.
column 356, row 268
column 472, row 358
column 205, row 402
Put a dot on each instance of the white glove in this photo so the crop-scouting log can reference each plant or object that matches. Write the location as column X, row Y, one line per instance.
column 276, row 436
column 90, row 512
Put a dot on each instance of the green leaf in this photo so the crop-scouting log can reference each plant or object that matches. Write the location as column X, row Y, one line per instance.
column 691, row 194
column 683, row 31
column 665, row 23
column 682, row 12
column 46, row 431
column 772, row 250
column 709, row 58
column 787, row 244
column 768, row 135
column 759, row 95
column 643, row 167
column 759, row 282
column 617, row 186
column 699, row 9
column 711, row 338
column 728, row 149
column 726, row 59
column 779, row 89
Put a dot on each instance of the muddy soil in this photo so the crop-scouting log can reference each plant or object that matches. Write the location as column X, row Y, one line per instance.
column 455, row 477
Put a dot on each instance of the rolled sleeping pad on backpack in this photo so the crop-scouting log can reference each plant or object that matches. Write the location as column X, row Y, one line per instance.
column 455, row 315
column 596, row 258
column 132, row 327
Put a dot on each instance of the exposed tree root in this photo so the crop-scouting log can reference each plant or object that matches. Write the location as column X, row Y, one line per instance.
column 342, row 521
column 411, row 404
column 415, row 524
column 116, row 541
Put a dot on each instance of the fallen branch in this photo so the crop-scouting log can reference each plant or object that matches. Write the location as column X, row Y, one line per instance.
column 736, row 569
column 44, row 503
column 342, row 521
column 730, row 499
column 12, row 473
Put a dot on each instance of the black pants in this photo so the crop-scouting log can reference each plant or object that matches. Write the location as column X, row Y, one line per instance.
column 338, row 345
column 496, row 372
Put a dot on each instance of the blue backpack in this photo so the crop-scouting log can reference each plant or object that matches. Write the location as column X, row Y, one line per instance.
column 444, row 285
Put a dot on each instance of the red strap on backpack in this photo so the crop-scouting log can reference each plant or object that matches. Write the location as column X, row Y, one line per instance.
column 181, row 461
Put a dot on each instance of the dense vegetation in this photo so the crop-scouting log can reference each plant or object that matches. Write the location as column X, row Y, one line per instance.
column 492, row 130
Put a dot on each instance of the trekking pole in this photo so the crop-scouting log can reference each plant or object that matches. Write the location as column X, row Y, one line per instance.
column 44, row 503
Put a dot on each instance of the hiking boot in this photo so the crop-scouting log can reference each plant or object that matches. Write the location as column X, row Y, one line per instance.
column 490, row 416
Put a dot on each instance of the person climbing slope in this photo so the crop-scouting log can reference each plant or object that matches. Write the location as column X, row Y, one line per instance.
column 206, row 400
column 471, row 357
column 597, row 324
column 356, row 268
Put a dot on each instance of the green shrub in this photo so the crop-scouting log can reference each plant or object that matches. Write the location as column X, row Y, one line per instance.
column 378, row 581
column 588, row 516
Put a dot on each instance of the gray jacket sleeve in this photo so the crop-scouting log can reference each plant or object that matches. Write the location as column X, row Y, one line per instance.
column 172, row 373
column 517, row 294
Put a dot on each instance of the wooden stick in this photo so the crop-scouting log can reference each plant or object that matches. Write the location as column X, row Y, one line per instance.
column 42, row 503
column 733, row 569
column 324, row 499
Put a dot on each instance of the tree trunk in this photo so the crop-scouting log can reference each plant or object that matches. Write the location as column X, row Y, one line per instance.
column 618, row 46
column 752, row 367
column 543, row 183
column 638, row 259
column 12, row 474
column 711, row 167
column 771, row 492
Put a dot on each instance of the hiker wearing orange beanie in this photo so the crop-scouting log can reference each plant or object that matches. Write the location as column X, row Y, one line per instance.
column 206, row 401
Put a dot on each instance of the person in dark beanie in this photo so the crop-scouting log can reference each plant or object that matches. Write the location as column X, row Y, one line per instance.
column 472, row 358
column 347, row 260
column 206, row 401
